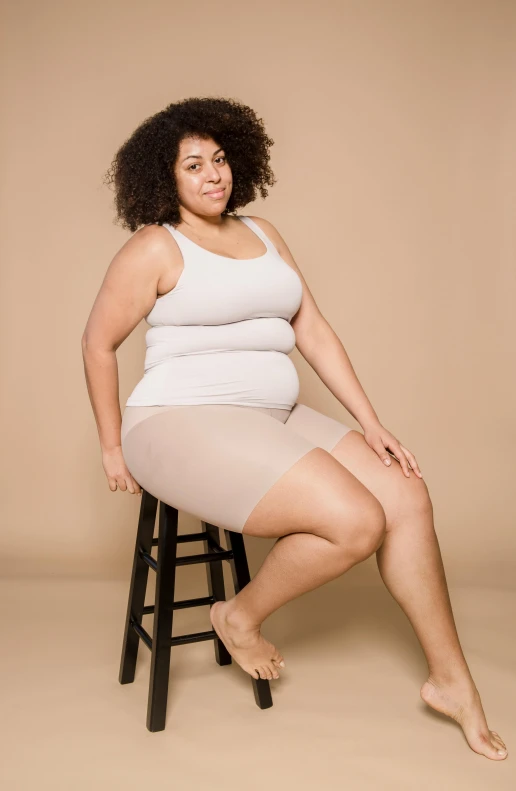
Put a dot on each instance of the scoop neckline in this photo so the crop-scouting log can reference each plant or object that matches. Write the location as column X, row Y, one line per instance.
column 226, row 257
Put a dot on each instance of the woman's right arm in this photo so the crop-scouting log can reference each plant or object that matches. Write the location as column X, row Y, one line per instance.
column 126, row 296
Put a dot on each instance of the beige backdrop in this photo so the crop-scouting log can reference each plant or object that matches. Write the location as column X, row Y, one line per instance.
column 394, row 127
column 394, row 124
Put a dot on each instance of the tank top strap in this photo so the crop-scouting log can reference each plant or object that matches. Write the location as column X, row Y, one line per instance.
column 183, row 242
column 258, row 231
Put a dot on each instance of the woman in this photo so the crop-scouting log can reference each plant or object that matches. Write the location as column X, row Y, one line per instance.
column 214, row 426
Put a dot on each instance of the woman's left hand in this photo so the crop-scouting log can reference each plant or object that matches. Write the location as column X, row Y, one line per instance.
column 378, row 438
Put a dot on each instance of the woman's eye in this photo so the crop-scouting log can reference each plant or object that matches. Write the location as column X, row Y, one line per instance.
column 196, row 164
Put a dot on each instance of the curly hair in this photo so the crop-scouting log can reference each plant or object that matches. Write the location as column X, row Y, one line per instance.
column 142, row 171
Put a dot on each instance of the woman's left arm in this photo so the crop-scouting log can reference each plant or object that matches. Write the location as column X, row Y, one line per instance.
column 323, row 350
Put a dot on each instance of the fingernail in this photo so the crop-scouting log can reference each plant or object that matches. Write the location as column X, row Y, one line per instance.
column 387, row 461
column 282, row 664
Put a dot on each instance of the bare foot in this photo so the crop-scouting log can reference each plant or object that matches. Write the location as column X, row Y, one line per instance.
column 246, row 645
column 461, row 701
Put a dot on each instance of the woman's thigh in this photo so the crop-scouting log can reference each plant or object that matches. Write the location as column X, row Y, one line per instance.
column 244, row 470
column 317, row 494
column 212, row 461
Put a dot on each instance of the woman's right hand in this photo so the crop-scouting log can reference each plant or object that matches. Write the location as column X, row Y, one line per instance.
column 117, row 473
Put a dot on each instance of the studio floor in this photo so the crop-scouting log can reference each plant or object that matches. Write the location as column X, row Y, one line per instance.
column 346, row 711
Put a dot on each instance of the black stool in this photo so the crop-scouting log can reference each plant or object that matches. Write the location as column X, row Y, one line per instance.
column 164, row 606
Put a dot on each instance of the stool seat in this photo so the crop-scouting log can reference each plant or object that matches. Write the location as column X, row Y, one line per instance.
column 164, row 605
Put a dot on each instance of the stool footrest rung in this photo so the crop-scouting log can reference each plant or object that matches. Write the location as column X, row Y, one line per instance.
column 182, row 639
column 206, row 557
column 193, row 638
column 150, row 561
column 182, row 539
column 140, row 631
column 218, row 553
column 181, row 605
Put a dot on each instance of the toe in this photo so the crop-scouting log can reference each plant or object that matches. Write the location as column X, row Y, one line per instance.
column 500, row 748
column 498, row 738
column 490, row 748
column 497, row 742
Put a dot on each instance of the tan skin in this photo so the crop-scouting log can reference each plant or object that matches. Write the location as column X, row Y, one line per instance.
column 373, row 492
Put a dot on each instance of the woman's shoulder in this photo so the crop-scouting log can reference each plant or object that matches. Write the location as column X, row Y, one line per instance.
column 270, row 231
column 153, row 233
column 154, row 241
column 264, row 224
column 153, row 249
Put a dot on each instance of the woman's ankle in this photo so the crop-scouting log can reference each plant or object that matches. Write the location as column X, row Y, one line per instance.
column 239, row 617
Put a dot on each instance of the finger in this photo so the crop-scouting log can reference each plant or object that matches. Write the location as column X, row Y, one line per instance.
column 121, row 483
column 112, row 484
column 405, row 465
column 412, row 459
column 132, row 486
column 402, row 459
column 384, row 456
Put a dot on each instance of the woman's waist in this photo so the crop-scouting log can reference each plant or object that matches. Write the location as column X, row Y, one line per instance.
column 206, row 362
column 245, row 377
column 265, row 335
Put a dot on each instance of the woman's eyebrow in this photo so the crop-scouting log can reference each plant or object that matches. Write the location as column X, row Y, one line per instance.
column 199, row 156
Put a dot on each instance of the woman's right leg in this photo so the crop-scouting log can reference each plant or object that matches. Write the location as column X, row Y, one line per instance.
column 326, row 522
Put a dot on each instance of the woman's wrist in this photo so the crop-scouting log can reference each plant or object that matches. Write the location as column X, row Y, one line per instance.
column 371, row 421
column 109, row 448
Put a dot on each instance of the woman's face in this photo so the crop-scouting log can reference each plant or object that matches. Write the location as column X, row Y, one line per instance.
column 201, row 168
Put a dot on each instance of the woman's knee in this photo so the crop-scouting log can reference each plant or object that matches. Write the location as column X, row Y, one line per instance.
column 368, row 531
column 411, row 501
column 350, row 515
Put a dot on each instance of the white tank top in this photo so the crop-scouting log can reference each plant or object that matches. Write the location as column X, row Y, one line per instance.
column 223, row 334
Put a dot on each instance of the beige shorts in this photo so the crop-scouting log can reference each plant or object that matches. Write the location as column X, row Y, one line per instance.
column 216, row 461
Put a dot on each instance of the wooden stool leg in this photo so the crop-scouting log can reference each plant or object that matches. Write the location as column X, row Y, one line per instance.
column 163, row 617
column 241, row 576
column 138, row 587
column 215, row 579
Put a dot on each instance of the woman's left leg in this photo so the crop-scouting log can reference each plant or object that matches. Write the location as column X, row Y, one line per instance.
column 410, row 564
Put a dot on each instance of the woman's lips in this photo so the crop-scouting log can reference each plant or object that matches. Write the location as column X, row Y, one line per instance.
column 217, row 194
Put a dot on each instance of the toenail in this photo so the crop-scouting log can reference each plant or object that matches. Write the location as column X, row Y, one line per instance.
column 502, row 752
